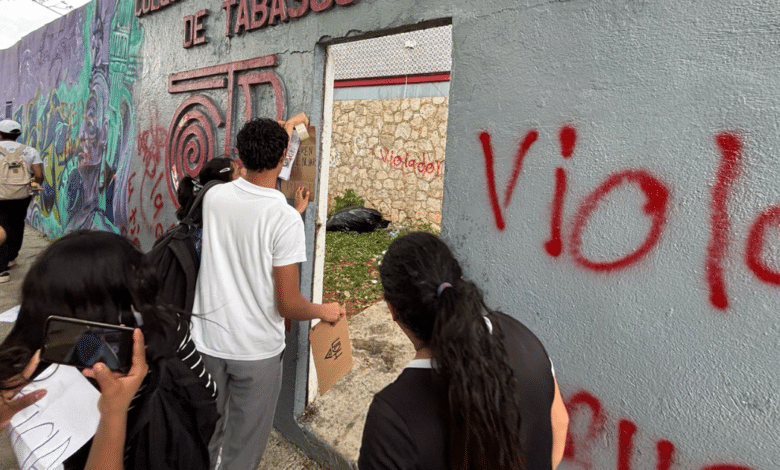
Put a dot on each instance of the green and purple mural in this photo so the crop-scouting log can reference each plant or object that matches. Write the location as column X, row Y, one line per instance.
column 70, row 87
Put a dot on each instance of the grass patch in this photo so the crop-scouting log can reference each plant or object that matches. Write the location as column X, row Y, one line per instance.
column 351, row 274
column 348, row 200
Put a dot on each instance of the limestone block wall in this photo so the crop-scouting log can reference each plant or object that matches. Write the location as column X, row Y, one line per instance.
column 391, row 152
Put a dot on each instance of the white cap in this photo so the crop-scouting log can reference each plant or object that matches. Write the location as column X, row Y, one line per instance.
column 8, row 126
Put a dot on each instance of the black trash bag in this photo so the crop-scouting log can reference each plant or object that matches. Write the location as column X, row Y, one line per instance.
column 356, row 219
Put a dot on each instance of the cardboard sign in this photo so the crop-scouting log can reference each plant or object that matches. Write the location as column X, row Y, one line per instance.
column 304, row 168
column 332, row 352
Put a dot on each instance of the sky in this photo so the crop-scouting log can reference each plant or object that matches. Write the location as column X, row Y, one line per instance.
column 21, row 17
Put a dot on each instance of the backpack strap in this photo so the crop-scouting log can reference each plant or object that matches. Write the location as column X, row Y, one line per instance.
column 16, row 154
column 194, row 216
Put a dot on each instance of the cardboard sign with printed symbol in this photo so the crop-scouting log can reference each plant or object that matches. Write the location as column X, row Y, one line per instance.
column 332, row 352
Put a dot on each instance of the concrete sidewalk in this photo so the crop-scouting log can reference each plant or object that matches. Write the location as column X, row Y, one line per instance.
column 279, row 455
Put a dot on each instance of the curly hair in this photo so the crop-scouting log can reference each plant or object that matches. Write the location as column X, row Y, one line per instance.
column 261, row 144
column 484, row 419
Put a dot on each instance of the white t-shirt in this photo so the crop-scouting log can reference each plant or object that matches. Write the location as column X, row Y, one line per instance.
column 247, row 230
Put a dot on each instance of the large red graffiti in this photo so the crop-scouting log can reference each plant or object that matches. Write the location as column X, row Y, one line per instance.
column 731, row 153
column 487, row 149
column 588, row 429
column 657, row 197
column 657, row 194
column 755, row 246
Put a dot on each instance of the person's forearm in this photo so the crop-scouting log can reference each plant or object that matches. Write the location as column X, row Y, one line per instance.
column 299, row 309
column 559, row 419
column 107, row 452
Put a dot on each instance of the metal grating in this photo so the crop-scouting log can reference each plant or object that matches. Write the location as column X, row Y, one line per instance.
column 412, row 53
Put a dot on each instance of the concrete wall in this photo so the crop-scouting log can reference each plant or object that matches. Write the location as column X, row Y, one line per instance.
column 391, row 152
column 611, row 180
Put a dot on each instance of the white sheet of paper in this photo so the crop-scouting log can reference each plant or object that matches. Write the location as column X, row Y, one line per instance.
column 9, row 316
column 51, row 430
column 289, row 157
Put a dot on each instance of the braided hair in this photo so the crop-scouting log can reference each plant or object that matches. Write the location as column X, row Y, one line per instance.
column 423, row 283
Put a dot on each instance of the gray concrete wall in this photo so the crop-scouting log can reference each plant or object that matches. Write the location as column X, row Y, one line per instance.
column 636, row 231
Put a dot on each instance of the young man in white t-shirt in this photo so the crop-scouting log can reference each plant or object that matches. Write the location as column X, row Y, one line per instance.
column 247, row 285
column 13, row 210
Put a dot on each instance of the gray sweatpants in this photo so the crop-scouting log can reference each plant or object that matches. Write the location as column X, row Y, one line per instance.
column 247, row 392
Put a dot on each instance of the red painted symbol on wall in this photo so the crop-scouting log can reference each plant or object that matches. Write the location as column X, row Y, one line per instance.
column 657, row 195
column 568, row 139
column 192, row 136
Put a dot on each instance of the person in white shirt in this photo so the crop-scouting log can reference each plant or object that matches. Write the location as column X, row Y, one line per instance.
column 247, row 285
column 13, row 207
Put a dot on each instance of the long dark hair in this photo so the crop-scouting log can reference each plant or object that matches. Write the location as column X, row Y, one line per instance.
column 90, row 275
column 449, row 319
column 220, row 168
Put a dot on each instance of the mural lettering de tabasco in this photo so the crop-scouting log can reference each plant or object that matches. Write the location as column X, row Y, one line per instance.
column 240, row 15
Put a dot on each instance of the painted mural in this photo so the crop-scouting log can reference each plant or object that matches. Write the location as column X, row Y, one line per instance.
column 73, row 98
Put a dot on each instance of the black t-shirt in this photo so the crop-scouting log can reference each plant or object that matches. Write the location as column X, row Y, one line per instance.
column 407, row 423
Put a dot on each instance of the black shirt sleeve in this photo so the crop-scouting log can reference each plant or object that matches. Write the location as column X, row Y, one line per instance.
column 386, row 443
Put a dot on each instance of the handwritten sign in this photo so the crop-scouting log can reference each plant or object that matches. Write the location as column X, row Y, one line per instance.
column 51, row 430
column 304, row 168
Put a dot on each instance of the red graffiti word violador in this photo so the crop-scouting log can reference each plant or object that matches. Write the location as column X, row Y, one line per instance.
column 420, row 166
column 657, row 196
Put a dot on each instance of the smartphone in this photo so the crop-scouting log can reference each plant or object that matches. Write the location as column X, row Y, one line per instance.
column 83, row 343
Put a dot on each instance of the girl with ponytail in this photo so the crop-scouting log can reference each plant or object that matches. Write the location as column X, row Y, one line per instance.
column 480, row 392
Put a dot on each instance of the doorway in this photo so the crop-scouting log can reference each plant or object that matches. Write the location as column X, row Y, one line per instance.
column 384, row 138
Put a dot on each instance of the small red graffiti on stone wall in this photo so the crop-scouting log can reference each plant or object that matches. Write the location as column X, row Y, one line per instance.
column 421, row 166
column 658, row 197
column 588, row 428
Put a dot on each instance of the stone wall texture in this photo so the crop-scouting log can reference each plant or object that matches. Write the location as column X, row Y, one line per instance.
column 391, row 153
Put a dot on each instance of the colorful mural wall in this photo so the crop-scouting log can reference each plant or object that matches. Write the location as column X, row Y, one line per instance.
column 70, row 86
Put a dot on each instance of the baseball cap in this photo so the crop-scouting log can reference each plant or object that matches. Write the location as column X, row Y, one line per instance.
column 8, row 126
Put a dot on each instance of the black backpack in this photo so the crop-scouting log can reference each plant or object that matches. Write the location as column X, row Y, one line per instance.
column 173, row 423
column 176, row 259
